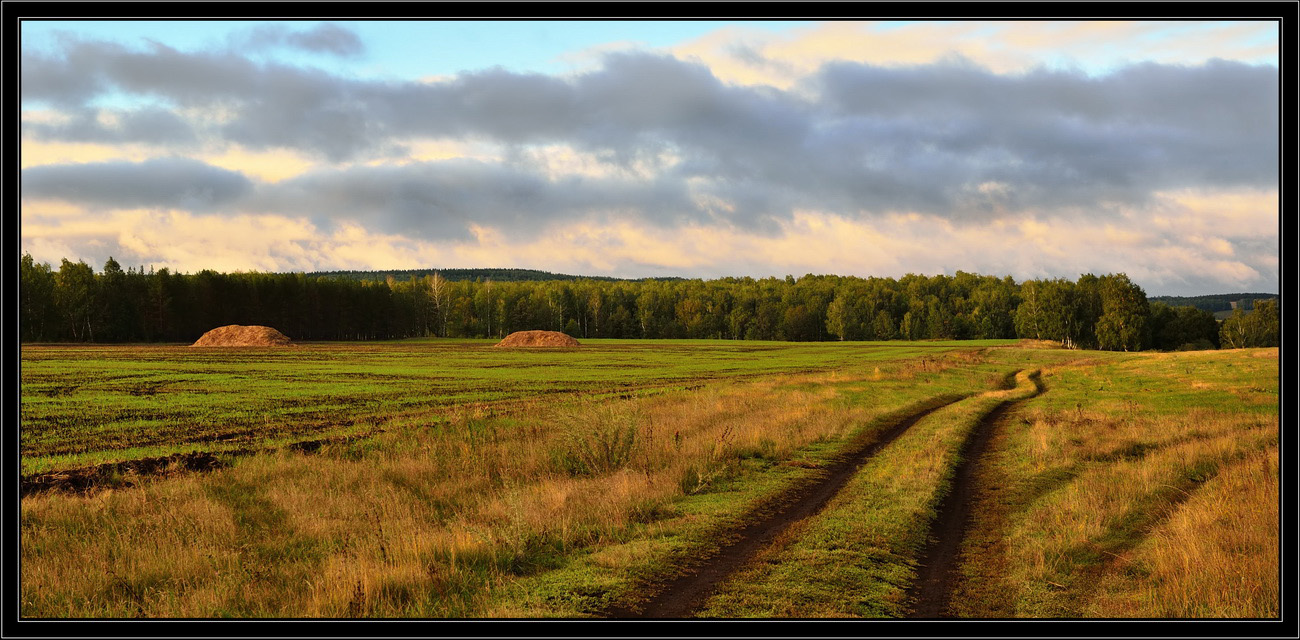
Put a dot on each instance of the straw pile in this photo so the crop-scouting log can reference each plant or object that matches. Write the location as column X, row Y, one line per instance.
column 538, row 339
column 235, row 335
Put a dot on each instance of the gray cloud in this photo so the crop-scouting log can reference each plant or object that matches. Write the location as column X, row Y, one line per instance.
column 442, row 199
column 324, row 38
column 328, row 38
column 160, row 182
column 433, row 200
column 150, row 125
column 949, row 138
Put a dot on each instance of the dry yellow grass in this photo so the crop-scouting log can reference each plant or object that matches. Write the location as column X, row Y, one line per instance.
column 419, row 521
column 1133, row 491
column 1217, row 556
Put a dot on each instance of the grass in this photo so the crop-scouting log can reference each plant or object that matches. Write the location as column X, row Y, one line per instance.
column 560, row 483
column 445, row 518
column 1099, row 480
column 86, row 405
column 856, row 557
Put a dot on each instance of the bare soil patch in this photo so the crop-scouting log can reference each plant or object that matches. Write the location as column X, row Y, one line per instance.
column 129, row 473
column 237, row 335
column 539, row 339
column 120, row 474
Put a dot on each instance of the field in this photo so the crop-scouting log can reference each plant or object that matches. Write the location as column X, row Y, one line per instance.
column 450, row 479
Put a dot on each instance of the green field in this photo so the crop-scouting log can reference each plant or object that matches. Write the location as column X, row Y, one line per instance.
column 482, row 482
column 88, row 404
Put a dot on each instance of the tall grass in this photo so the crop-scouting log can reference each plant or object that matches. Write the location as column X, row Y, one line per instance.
column 437, row 519
column 85, row 405
column 1096, row 486
column 1216, row 556
column 856, row 558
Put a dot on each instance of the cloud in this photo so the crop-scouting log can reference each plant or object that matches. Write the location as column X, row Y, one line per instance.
column 328, row 38
column 148, row 125
column 751, row 56
column 853, row 137
column 1163, row 261
column 446, row 199
column 324, row 38
column 666, row 164
column 159, row 182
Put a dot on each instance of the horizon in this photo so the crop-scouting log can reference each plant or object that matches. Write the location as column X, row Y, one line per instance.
column 654, row 149
column 99, row 270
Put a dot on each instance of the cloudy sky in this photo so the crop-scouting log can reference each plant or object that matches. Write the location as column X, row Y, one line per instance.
column 699, row 149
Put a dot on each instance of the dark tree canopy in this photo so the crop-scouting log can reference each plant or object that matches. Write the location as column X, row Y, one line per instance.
column 132, row 305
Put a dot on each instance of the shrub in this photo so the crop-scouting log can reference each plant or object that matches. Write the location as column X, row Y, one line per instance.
column 597, row 439
column 1199, row 345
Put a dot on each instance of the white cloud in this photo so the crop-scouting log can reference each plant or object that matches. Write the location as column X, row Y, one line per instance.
column 745, row 56
column 649, row 166
column 811, row 242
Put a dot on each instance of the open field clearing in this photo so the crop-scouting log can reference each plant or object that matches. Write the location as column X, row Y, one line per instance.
column 83, row 405
column 583, row 483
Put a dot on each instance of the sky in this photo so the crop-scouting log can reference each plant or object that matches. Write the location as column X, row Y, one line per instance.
column 660, row 148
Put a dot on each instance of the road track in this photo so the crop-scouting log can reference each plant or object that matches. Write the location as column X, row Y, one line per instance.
column 937, row 565
column 681, row 596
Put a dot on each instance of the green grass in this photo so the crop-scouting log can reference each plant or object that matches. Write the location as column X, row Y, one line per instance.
column 1089, row 474
column 479, row 493
column 856, row 557
column 620, row 571
column 84, row 405
column 452, row 516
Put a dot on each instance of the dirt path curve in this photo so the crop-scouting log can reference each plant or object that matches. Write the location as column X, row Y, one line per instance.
column 937, row 568
column 681, row 596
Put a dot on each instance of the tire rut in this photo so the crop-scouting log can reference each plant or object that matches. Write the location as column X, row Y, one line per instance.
column 680, row 596
column 937, row 566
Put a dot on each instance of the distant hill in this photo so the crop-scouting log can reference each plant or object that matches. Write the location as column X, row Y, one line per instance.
column 1220, row 304
column 495, row 275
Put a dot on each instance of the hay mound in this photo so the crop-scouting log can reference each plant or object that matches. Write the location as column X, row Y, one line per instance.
column 236, row 335
column 538, row 339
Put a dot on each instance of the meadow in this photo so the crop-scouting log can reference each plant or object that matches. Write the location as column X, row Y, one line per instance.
column 85, row 404
column 479, row 482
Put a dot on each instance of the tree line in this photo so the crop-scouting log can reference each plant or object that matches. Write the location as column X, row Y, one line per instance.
column 76, row 304
column 495, row 275
column 1216, row 302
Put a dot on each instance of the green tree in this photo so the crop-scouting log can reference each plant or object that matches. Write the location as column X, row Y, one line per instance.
column 1089, row 306
column 883, row 326
column 1030, row 317
column 1270, row 323
column 840, row 317
column 114, row 306
column 74, row 296
column 1184, row 327
column 1259, row 328
column 1123, row 322
column 36, row 310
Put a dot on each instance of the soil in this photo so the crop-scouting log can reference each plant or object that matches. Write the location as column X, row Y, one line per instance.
column 539, row 339
column 128, row 473
column 681, row 596
column 119, row 474
column 235, row 335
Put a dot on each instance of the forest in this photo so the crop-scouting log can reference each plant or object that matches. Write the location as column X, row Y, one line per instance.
column 74, row 303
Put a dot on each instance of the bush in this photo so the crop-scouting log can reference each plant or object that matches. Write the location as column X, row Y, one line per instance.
column 597, row 439
column 696, row 479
